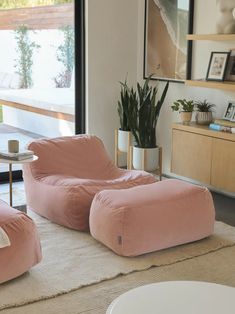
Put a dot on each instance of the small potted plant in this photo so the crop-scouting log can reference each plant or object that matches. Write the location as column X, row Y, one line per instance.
column 143, row 116
column 185, row 108
column 204, row 112
column 124, row 131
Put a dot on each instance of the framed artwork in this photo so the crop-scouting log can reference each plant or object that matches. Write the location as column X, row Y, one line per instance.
column 229, row 111
column 217, row 66
column 167, row 53
column 230, row 71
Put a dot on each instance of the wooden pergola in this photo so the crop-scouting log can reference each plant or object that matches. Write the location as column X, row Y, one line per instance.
column 41, row 17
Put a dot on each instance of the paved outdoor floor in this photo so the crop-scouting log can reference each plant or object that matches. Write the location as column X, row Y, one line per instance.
column 9, row 133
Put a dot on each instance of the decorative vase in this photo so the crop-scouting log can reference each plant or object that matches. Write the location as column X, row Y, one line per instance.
column 204, row 118
column 145, row 158
column 124, row 140
column 225, row 22
column 185, row 117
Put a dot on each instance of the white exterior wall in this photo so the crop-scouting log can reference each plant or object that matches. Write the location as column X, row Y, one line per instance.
column 45, row 65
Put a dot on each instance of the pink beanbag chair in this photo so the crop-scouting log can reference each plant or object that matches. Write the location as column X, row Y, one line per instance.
column 151, row 217
column 23, row 249
column 61, row 184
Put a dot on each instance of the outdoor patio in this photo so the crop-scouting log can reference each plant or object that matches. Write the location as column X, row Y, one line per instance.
column 37, row 81
column 9, row 133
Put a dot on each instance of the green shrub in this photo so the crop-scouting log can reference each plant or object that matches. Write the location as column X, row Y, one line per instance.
column 65, row 55
column 25, row 50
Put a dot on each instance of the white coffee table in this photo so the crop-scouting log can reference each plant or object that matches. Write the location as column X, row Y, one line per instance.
column 11, row 162
column 176, row 297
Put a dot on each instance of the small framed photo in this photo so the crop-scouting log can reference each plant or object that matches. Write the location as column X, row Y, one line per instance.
column 217, row 66
column 230, row 111
column 230, row 71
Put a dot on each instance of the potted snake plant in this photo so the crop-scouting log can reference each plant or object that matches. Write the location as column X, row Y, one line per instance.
column 124, row 132
column 143, row 117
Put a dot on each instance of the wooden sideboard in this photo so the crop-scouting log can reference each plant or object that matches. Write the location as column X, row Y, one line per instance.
column 204, row 155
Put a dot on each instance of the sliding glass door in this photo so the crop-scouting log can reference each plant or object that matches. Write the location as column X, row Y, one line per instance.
column 38, row 72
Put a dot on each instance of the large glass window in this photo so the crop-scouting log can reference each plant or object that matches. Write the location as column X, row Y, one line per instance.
column 37, row 70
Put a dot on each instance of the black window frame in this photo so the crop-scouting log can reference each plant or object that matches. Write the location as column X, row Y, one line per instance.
column 80, row 117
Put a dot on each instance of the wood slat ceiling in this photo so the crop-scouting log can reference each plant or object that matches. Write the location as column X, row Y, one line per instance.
column 42, row 17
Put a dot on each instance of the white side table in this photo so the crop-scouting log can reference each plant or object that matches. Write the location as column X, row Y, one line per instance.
column 176, row 297
column 11, row 162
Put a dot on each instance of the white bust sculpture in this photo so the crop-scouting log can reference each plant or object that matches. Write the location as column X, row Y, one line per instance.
column 225, row 23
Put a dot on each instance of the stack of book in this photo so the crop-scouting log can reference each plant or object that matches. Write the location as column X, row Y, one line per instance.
column 223, row 125
column 27, row 154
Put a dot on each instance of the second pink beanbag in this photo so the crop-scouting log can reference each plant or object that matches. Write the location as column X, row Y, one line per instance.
column 151, row 217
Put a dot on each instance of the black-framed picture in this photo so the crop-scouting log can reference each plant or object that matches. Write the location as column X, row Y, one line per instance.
column 230, row 70
column 167, row 53
column 233, row 116
column 229, row 111
column 217, row 66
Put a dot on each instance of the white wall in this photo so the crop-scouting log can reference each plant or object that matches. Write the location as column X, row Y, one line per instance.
column 115, row 35
column 111, row 27
column 204, row 22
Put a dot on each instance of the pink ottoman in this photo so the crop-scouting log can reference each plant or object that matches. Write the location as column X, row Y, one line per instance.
column 23, row 249
column 151, row 217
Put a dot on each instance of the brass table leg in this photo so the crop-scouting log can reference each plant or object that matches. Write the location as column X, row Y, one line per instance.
column 10, row 182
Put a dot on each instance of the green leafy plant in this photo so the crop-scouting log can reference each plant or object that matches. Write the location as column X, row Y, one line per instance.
column 204, row 106
column 144, row 112
column 183, row 105
column 65, row 55
column 25, row 50
column 123, row 106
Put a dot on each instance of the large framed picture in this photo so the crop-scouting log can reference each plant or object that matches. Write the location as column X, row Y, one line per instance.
column 217, row 66
column 229, row 111
column 167, row 53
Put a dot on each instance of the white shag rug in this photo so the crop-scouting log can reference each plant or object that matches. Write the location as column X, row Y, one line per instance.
column 72, row 260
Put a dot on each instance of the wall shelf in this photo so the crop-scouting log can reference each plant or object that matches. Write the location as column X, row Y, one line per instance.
column 212, row 37
column 225, row 85
column 228, row 86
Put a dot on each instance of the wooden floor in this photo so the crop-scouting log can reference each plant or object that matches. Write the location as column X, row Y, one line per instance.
column 225, row 208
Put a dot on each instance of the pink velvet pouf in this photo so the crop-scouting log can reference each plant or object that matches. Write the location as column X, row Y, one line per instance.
column 151, row 217
column 23, row 249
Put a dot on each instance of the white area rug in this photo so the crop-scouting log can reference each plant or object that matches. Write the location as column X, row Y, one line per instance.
column 72, row 260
